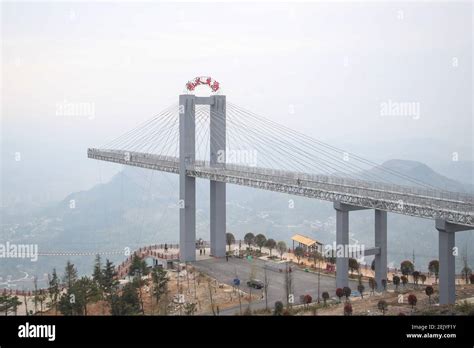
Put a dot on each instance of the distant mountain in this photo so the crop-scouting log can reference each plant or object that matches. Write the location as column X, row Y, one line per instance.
column 418, row 171
column 462, row 171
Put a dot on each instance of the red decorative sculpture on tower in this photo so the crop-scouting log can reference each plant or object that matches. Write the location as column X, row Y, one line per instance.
column 203, row 80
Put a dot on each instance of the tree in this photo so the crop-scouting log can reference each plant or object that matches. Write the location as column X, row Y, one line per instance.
column 40, row 296
column 423, row 279
column 406, row 267
column 70, row 303
column 396, row 281
column 429, row 291
column 281, row 246
column 299, row 253
column 347, row 309
column 382, row 305
column 54, row 290
column 288, row 284
column 35, row 292
column 270, row 244
column 471, row 278
column 416, row 277
column 339, row 293
column 97, row 273
column 160, row 283
column 249, row 239
column 5, row 302
column 353, row 265
column 325, row 296
column 230, row 239
column 307, row 299
column 316, row 256
column 404, row 280
column 14, row 303
column 347, row 292
column 212, row 300
column 466, row 272
column 412, row 300
column 109, row 281
column 278, row 310
column 361, row 289
column 372, row 285
column 66, row 303
column 128, row 303
column 138, row 269
column 260, row 240
column 25, row 301
column 8, row 303
column 70, row 274
column 86, row 291
column 82, row 292
column 433, row 267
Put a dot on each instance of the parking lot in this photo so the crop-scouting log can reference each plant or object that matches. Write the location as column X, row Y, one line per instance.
column 303, row 282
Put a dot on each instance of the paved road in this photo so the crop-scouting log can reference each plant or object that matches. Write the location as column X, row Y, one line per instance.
column 303, row 282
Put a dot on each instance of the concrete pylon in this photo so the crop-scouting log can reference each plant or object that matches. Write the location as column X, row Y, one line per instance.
column 381, row 243
column 218, row 189
column 447, row 278
column 187, row 184
column 342, row 239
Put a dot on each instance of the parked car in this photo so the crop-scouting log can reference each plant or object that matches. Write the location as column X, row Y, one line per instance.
column 255, row 283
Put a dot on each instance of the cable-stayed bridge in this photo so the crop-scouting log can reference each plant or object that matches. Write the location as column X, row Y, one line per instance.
column 390, row 198
column 208, row 138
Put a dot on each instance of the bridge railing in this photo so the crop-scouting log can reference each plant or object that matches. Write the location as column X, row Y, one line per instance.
column 123, row 156
column 424, row 197
column 431, row 198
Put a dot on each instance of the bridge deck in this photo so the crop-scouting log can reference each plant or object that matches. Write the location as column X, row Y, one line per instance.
column 451, row 206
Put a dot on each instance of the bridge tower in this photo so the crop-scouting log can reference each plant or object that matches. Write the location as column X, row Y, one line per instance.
column 187, row 184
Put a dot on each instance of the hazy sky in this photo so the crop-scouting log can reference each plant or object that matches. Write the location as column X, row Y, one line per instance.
column 334, row 63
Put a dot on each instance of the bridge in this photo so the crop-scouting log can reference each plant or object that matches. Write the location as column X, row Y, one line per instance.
column 204, row 138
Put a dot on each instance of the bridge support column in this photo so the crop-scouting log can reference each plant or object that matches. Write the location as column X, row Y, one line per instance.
column 447, row 279
column 342, row 239
column 218, row 189
column 381, row 243
column 187, row 184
